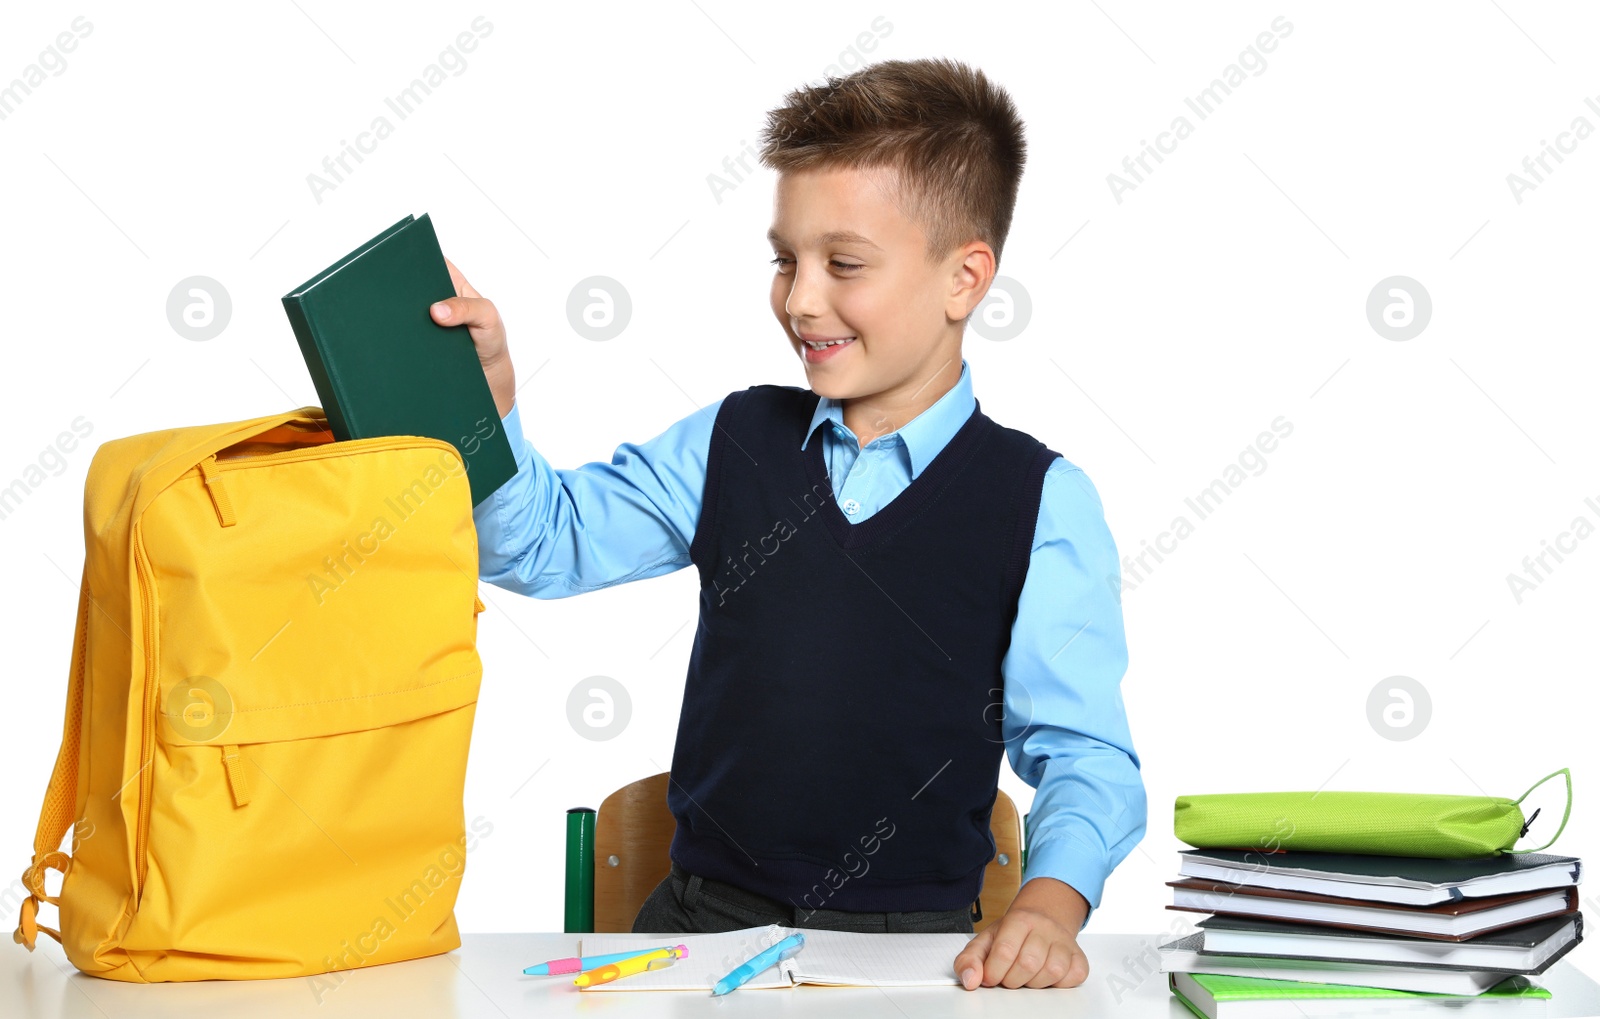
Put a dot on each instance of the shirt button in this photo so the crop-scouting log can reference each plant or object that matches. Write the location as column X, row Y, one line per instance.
column 851, row 507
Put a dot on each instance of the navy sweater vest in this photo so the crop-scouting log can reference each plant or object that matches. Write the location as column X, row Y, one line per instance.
column 839, row 745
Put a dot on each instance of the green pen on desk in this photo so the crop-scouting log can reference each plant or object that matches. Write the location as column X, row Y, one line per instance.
column 762, row 962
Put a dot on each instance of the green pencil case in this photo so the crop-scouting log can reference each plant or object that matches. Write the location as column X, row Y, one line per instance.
column 1384, row 824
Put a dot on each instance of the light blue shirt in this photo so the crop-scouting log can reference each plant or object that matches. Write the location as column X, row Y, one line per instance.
column 553, row 533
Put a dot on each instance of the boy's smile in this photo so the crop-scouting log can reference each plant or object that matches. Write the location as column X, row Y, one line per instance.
column 876, row 325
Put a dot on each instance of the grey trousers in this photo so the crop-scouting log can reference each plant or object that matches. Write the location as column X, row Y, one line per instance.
column 686, row 903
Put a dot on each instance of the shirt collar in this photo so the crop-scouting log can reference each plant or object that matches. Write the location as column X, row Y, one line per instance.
column 924, row 435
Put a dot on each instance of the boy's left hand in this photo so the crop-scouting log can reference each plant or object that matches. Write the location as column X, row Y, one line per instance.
column 1035, row 944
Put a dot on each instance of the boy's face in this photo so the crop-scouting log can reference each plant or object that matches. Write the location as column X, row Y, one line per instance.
column 850, row 264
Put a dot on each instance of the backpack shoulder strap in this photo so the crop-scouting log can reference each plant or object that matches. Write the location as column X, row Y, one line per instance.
column 62, row 797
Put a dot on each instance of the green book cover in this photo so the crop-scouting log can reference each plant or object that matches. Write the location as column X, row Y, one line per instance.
column 1232, row 988
column 1217, row 995
column 382, row 366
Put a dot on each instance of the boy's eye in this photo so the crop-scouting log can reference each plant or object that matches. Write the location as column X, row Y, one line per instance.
column 780, row 262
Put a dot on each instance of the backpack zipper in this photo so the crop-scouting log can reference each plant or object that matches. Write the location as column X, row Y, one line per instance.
column 214, row 488
column 332, row 449
column 147, row 735
column 219, row 495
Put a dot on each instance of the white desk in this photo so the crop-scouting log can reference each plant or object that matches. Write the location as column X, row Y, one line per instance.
column 484, row 979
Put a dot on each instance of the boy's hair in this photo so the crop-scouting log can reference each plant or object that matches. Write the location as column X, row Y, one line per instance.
column 954, row 140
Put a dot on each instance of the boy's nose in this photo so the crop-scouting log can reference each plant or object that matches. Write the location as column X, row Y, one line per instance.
column 805, row 303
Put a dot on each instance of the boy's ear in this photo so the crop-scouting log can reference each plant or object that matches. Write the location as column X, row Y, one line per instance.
column 974, row 272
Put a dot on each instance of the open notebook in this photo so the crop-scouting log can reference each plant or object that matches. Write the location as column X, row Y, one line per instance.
column 838, row 958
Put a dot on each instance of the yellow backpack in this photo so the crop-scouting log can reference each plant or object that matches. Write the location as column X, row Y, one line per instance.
column 271, row 695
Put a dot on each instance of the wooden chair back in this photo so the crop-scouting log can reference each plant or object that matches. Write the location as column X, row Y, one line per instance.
column 633, row 831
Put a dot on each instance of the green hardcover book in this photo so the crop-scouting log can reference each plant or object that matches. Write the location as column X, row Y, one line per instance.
column 1214, row 996
column 380, row 363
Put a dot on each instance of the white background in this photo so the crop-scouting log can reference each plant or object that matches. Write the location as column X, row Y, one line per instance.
column 1227, row 289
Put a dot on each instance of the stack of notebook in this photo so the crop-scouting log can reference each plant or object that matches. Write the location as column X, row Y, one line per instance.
column 1336, row 932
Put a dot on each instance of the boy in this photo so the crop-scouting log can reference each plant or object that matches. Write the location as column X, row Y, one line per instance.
column 893, row 587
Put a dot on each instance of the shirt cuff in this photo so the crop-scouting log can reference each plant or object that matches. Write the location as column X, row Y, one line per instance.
column 489, row 516
column 1072, row 860
column 520, row 452
column 513, row 426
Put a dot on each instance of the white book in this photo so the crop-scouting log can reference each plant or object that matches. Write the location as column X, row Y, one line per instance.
column 1408, row 881
column 1185, row 956
column 838, row 958
column 1378, row 917
column 1529, row 949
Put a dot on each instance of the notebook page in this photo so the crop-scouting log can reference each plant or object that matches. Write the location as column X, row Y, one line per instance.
column 711, row 957
column 882, row 960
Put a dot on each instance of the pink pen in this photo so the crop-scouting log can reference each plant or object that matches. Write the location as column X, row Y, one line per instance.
column 556, row 967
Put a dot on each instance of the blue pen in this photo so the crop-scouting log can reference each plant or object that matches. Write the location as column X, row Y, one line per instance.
column 760, row 964
column 574, row 965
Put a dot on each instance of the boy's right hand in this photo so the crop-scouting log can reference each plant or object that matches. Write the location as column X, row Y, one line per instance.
column 488, row 333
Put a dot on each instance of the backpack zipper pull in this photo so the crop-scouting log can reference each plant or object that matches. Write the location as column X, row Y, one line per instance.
column 219, row 494
column 238, row 779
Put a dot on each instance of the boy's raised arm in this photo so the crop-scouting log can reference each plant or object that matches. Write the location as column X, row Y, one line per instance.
column 551, row 533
